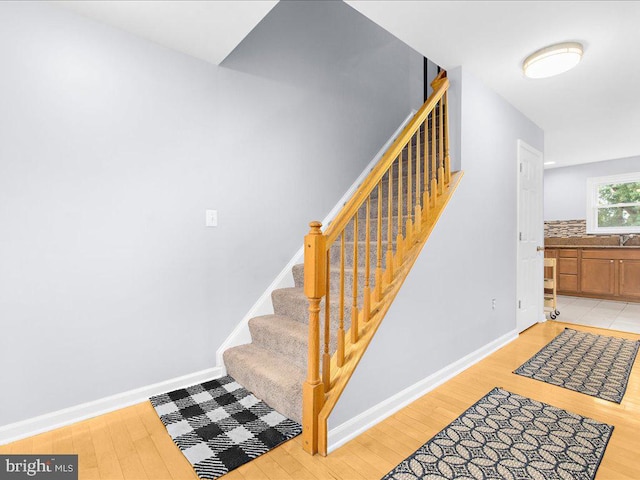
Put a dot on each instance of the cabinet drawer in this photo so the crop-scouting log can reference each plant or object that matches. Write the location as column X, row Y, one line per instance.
column 568, row 253
column 608, row 254
column 568, row 265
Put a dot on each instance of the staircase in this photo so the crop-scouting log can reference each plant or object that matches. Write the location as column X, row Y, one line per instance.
column 356, row 267
column 274, row 365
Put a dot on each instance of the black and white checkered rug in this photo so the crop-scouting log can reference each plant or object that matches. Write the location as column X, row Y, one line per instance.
column 219, row 425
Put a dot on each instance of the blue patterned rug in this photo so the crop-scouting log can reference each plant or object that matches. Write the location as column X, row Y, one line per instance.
column 219, row 425
column 595, row 365
column 505, row 436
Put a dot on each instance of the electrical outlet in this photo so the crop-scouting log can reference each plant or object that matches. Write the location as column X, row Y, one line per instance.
column 493, row 304
column 211, row 218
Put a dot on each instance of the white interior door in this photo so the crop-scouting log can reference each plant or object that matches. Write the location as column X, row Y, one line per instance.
column 530, row 268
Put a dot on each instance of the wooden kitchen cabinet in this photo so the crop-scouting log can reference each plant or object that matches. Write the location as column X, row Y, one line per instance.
column 610, row 273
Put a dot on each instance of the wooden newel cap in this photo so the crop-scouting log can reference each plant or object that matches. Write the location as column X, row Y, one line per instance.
column 315, row 228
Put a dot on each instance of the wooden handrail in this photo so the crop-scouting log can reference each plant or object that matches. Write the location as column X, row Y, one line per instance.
column 364, row 190
column 413, row 207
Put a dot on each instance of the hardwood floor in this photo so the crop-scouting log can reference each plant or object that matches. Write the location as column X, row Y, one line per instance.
column 133, row 444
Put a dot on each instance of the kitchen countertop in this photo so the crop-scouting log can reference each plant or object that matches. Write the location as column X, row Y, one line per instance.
column 591, row 241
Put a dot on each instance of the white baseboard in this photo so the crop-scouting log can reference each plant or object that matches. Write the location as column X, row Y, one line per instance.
column 350, row 429
column 263, row 306
column 43, row 423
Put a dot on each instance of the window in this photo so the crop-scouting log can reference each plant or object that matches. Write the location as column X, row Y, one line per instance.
column 613, row 204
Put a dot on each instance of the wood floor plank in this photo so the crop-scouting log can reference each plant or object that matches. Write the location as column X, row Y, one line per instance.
column 108, row 464
column 119, row 444
column 62, row 441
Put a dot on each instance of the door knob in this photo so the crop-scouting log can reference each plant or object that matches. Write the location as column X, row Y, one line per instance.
column 540, row 249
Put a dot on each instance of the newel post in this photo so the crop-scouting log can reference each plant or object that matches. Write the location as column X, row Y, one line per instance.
column 315, row 265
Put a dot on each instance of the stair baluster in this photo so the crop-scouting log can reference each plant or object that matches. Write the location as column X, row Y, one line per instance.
column 409, row 232
column 354, row 306
column 366, row 302
column 447, row 160
column 340, row 357
column 418, row 213
column 389, row 263
column 434, row 184
column 326, row 357
column 378, row 285
column 400, row 238
column 441, row 149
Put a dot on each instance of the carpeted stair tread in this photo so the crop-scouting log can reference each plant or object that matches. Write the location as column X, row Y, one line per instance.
column 269, row 376
column 282, row 335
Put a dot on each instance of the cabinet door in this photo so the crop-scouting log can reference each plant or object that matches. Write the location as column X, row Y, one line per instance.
column 629, row 278
column 597, row 275
column 567, row 283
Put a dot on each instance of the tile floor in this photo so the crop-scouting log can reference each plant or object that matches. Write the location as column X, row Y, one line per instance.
column 600, row 313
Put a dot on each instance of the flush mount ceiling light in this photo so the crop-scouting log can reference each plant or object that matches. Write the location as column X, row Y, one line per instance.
column 552, row 60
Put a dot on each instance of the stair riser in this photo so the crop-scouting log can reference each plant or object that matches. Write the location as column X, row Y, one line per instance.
column 362, row 233
column 297, row 308
column 285, row 396
column 271, row 339
column 334, row 280
column 349, row 255
column 373, row 213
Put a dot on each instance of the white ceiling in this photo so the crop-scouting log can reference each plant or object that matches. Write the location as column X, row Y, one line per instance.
column 589, row 114
column 208, row 30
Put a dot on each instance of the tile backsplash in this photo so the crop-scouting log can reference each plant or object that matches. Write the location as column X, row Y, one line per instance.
column 566, row 229
column 574, row 232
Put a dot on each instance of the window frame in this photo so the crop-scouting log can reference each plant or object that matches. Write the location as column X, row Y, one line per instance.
column 592, row 203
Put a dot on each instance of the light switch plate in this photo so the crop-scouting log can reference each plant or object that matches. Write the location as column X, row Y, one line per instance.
column 211, row 218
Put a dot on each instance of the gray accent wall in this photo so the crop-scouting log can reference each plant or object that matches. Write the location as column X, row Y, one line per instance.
column 565, row 188
column 443, row 311
column 111, row 149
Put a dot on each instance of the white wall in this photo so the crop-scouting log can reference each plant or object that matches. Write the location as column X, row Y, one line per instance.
column 565, row 188
column 443, row 311
column 111, row 149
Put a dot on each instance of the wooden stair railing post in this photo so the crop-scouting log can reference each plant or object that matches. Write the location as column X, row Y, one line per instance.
column 340, row 352
column 440, row 149
column 315, row 268
column 409, row 232
column 433, row 192
column 418, row 214
column 399, row 238
column 389, row 262
column 366, row 302
column 355, row 329
column 425, row 184
column 378, row 286
column 326, row 357
column 447, row 160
